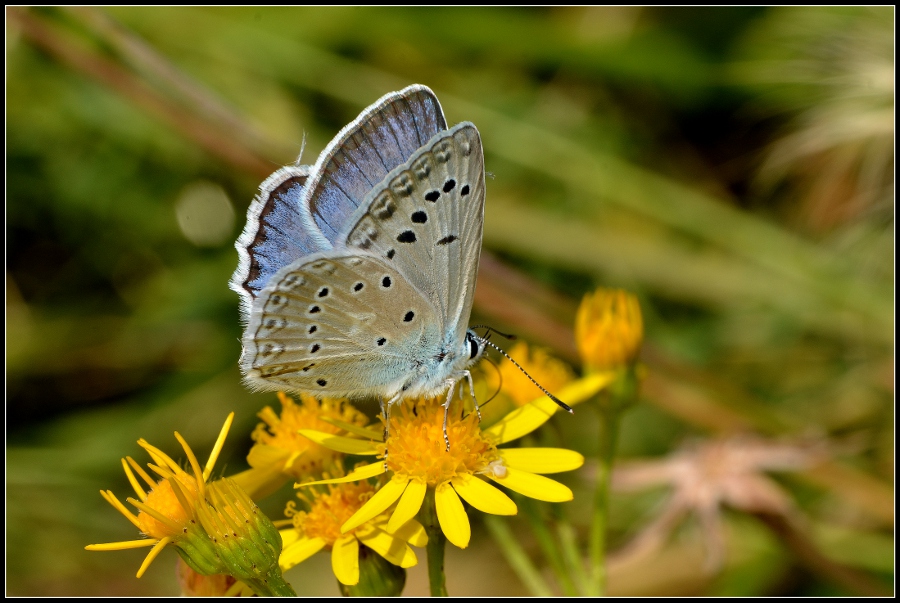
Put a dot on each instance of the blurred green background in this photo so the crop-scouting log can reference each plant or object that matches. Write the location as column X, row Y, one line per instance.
column 732, row 166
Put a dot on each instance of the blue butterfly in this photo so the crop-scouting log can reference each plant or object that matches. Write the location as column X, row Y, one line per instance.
column 357, row 274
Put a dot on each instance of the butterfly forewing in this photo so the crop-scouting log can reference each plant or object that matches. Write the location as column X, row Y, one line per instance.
column 384, row 136
column 340, row 324
column 426, row 220
column 277, row 233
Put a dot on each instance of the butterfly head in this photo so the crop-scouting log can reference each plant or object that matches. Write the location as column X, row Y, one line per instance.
column 474, row 346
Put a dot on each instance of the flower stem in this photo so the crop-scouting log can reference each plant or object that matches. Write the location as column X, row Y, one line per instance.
column 434, row 550
column 540, row 526
column 621, row 394
column 517, row 557
column 272, row 585
column 607, row 441
column 571, row 553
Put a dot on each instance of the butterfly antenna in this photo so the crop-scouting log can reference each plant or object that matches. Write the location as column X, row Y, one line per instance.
column 559, row 402
column 490, row 330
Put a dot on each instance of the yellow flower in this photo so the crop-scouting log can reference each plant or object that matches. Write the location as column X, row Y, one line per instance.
column 319, row 528
column 167, row 513
column 551, row 373
column 609, row 329
column 418, row 460
column 281, row 453
column 214, row 526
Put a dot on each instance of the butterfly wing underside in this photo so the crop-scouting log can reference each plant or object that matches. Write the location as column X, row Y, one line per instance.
column 384, row 136
column 427, row 223
column 276, row 234
column 341, row 324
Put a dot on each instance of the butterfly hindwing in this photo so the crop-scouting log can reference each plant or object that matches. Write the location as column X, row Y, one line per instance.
column 340, row 324
column 426, row 218
column 384, row 136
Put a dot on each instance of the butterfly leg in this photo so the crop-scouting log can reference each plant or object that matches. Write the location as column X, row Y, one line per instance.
column 450, row 391
column 386, row 414
column 468, row 377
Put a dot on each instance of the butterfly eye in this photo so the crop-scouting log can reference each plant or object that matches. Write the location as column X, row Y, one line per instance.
column 386, row 282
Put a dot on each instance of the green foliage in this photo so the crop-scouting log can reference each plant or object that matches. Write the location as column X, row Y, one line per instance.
column 661, row 150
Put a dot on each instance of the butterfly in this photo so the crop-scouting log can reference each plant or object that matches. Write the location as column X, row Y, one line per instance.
column 357, row 274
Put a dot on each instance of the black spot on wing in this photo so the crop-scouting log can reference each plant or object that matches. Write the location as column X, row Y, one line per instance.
column 407, row 236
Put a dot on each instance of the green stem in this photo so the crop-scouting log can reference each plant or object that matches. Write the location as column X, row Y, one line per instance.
column 517, row 557
column 572, row 555
column 437, row 542
column 272, row 585
column 607, row 447
column 551, row 551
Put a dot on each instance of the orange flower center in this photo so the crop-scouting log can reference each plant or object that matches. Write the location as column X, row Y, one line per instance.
column 282, row 432
column 416, row 446
column 163, row 500
column 328, row 512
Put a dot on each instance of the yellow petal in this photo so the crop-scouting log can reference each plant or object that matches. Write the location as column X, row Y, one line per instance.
column 154, row 552
column 299, row 551
column 413, row 533
column 289, row 536
column 118, row 546
column 542, row 460
column 360, row 473
column 523, row 420
column 340, row 443
column 393, row 549
column 409, row 505
column 531, row 416
column 483, row 496
column 533, row 486
column 260, row 482
column 345, row 560
column 452, row 516
column 384, row 498
column 363, row 432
